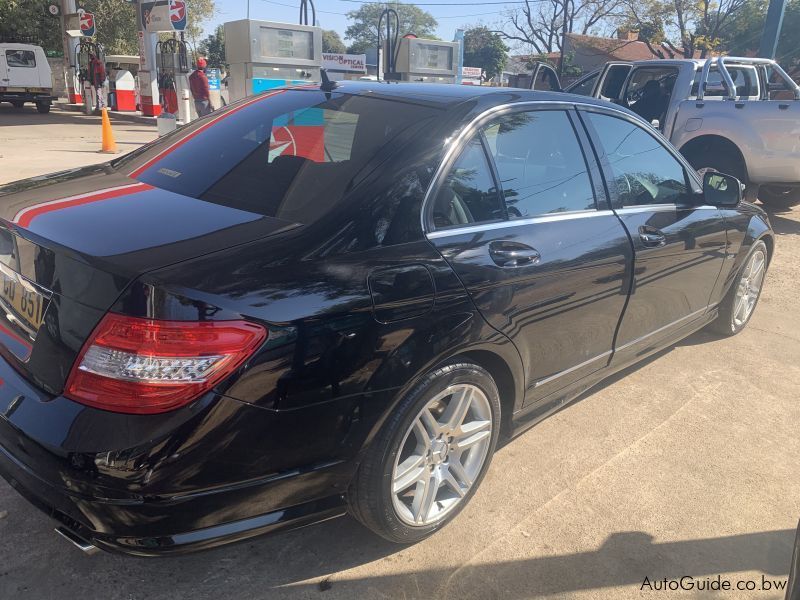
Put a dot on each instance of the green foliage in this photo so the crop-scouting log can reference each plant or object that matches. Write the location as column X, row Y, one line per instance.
column 742, row 35
column 331, row 42
column 29, row 19
column 213, row 48
column 115, row 23
column 363, row 31
column 486, row 50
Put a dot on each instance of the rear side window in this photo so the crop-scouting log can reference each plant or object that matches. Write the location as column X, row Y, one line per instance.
column 644, row 171
column 540, row 164
column 290, row 154
column 20, row 58
column 745, row 78
column 469, row 194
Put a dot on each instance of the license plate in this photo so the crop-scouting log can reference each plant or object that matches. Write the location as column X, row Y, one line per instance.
column 24, row 305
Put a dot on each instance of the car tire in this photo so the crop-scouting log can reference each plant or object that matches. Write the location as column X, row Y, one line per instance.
column 43, row 108
column 779, row 197
column 721, row 162
column 733, row 316
column 398, row 456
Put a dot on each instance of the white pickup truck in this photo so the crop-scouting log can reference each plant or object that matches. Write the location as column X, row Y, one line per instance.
column 25, row 76
column 740, row 116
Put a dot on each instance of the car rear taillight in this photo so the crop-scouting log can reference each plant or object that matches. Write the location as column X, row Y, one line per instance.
column 144, row 366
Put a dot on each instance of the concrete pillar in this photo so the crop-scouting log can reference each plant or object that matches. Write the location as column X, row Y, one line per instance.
column 69, row 7
column 148, row 71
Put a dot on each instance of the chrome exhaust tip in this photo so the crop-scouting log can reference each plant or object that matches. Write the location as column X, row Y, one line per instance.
column 81, row 544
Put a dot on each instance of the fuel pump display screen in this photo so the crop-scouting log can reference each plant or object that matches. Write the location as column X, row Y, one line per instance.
column 433, row 56
column 286, row 43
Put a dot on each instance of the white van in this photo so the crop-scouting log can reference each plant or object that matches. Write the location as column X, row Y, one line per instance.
column 25, row 76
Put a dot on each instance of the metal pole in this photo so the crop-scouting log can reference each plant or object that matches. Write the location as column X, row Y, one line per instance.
column 248, row 9
column 772, row 29
column 563, row 40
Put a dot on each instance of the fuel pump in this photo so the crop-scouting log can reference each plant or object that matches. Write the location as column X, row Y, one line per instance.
column 420, row 60
column 83, row 51
column 172, row 59
column 263, row 55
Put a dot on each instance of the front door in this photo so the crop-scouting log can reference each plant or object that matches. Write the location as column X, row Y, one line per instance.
column 522, row 219
column 679, row 242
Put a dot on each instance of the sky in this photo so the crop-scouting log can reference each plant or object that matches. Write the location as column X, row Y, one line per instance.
column 330, row 13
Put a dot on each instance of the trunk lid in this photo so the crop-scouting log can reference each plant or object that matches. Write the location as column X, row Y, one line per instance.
column 71, row 242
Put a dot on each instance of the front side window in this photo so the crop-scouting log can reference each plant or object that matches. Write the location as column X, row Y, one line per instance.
column 584, row 87
column 540, row 163
column 644, row 171
column 20, row 58
column 469, row 194
column 613, row 81
column 649, row 91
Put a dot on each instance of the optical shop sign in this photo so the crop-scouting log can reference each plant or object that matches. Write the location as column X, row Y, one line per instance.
column 352, row 63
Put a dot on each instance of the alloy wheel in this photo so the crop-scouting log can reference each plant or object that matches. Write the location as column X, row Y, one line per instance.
column 441, row 454
column 749, row 288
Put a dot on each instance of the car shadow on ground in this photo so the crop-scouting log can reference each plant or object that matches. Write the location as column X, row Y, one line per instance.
column 783, row 225
column 27, row 115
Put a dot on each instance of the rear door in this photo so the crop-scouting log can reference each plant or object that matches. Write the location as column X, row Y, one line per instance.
column 522, row 218
column 679, row 242
column 22, row 68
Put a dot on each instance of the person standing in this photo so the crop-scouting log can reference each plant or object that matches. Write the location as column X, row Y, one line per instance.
column 97, row 77
column 198, row 83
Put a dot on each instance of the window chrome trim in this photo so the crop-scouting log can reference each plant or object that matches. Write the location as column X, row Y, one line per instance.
column 630, row 210
column 547, row 218
column 457, row 144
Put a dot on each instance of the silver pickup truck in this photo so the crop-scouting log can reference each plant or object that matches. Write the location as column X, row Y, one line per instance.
column 740, row 116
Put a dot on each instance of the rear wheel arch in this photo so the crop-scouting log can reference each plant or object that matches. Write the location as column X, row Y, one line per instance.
column 698, row 150
column 503, row 377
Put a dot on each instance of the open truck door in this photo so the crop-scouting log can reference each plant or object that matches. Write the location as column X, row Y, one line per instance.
column 544, row 78
column 610, row 84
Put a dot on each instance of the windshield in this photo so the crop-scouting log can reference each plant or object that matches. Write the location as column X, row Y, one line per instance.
column 290, row 154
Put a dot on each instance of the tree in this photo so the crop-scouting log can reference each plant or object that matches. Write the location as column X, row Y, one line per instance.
column 331, row 42
column 117, row 22
column 364, row 28
column 484, row 49
column 539, row 24
column 29, row 19
column 742, row 34
column 213, row 48
column 694, row 25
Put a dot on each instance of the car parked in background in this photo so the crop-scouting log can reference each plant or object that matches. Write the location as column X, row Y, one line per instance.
column 739, row 116
column 25, row 76
column 316, row 301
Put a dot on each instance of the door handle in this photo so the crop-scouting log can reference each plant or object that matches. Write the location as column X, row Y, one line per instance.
column 652, row 237
column 513, row 254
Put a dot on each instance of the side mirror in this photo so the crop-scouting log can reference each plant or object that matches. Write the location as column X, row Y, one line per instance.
column 721, row 190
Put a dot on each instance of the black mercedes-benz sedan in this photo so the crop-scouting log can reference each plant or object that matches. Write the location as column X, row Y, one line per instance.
column 324, row 301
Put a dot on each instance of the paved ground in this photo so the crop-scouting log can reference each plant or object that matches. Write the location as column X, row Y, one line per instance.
column 684, row 466
column 33, row 144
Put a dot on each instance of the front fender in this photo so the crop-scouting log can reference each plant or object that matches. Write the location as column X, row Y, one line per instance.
column 745, row 226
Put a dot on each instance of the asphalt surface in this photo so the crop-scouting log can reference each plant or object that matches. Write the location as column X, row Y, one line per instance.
column 686, row 465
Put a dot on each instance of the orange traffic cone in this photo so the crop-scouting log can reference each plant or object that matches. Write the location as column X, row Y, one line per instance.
column 109, row 145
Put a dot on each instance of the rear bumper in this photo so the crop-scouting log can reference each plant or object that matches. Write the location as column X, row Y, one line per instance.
column 120, row 512
column 26, row 97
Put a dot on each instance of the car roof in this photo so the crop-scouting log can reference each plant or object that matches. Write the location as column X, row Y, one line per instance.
column 448, row 94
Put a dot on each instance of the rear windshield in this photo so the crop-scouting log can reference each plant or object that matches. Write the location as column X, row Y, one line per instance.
column 290, row 154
